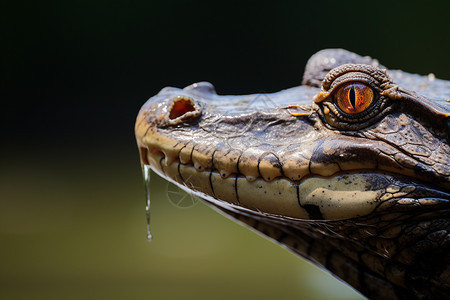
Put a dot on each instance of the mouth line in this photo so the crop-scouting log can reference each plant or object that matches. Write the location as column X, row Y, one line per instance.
column 341, row 196
column 145, row 152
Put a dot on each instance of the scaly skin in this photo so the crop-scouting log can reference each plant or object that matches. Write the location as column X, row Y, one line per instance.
column 366, row 195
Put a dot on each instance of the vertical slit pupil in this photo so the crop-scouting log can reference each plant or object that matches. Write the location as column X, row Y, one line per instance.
column 352, row 96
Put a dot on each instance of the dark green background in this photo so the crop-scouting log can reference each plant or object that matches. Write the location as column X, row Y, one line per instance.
column 73, row 77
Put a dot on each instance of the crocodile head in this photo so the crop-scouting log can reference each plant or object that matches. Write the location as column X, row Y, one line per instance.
column 350, row 170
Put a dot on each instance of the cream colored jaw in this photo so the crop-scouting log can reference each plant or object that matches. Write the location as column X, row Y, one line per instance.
column 334, row 198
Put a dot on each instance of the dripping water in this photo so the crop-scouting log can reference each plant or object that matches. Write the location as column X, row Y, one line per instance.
column 146, row 174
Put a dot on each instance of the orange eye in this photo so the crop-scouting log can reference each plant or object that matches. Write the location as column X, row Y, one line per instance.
column 354, row 97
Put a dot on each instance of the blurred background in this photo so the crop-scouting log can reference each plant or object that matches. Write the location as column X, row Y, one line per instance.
column 73, row 77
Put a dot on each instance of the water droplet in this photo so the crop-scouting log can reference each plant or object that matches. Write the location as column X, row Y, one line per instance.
column 146, row 170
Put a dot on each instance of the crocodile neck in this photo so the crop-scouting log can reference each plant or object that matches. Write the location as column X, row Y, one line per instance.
column 366, row 197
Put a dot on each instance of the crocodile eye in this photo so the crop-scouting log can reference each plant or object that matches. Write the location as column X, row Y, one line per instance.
column 354, row 97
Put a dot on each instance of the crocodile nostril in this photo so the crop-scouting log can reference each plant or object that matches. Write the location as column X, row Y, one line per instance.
column 180, row 107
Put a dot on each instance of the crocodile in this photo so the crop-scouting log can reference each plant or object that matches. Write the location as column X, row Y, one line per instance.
column 350, row 170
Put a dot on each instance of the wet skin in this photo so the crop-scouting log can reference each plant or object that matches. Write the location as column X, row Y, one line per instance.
column 350, row 170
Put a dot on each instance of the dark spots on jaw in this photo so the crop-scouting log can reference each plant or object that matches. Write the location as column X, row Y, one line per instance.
column 274, row 161
column 347, row 180
column 313, row 211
